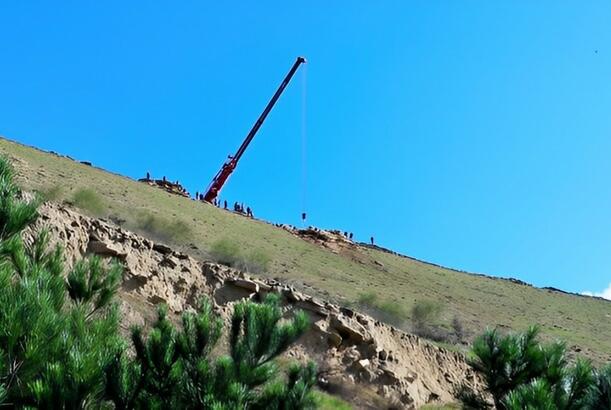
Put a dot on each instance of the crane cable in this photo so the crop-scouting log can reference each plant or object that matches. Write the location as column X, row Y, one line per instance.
column 304, row 159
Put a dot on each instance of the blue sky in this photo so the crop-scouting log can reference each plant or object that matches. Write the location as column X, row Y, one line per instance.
column 474, row 134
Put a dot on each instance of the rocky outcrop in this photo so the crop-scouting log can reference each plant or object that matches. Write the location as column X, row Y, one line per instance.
column 170, row 187
column 354, row 352
column 333, row 240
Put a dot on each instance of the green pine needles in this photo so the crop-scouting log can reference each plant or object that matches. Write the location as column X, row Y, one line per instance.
column 60, row 345
column 54, row 344
column 173, row 369
column 523, row 373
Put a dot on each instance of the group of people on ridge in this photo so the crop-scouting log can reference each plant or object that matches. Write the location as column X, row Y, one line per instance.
column 237, row 207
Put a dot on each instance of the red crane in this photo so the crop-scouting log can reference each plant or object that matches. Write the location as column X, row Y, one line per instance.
column 221, row 177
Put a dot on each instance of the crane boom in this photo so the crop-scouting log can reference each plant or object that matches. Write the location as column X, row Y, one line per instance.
column 221, row 177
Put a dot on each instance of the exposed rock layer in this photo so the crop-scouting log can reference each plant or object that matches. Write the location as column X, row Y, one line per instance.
column 354, row 352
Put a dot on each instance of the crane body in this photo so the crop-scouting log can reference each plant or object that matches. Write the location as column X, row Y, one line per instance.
column 221, row 177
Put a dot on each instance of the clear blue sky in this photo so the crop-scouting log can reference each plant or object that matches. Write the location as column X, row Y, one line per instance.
column 474, row 134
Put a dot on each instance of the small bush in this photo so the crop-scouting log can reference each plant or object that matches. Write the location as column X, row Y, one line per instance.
column 426, row 313
column 459, row 329
column 426, row 318
column 53, row 193
column 257, row 261
column 368, row 299
column 89, row 201
column 228, row 253
column 384, row 310
column 392, row 312
column 225, row 252
column 169, row 230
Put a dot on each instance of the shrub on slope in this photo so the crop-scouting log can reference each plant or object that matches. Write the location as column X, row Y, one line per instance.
column 228, row 253
column 522, row 373
column 89, row 201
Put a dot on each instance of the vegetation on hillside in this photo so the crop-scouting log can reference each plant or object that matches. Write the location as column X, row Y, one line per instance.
column 60, row 345
column 425, row 316
column 228, row 253
column 173, row 369
column 51, row 193
column 522, row 373
column 86, row 199
column 384, row 310
column 157, row 227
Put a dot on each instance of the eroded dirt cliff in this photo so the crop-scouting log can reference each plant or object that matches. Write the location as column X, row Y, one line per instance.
column 368, row 363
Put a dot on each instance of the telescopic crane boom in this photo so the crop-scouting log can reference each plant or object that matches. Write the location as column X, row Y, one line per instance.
column 221, row 177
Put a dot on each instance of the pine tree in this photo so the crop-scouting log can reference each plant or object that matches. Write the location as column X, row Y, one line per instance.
column 15, row 215
column 54, row 344
column 174, row 368
column 570, row 391
column 507, row 362
column 522, row 373
column 600, row 395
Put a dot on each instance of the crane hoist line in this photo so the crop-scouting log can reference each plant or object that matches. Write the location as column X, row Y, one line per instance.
column 221, row 177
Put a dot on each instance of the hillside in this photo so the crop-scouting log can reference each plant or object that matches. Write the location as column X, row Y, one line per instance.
column 365, row 362
column 337, row 274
